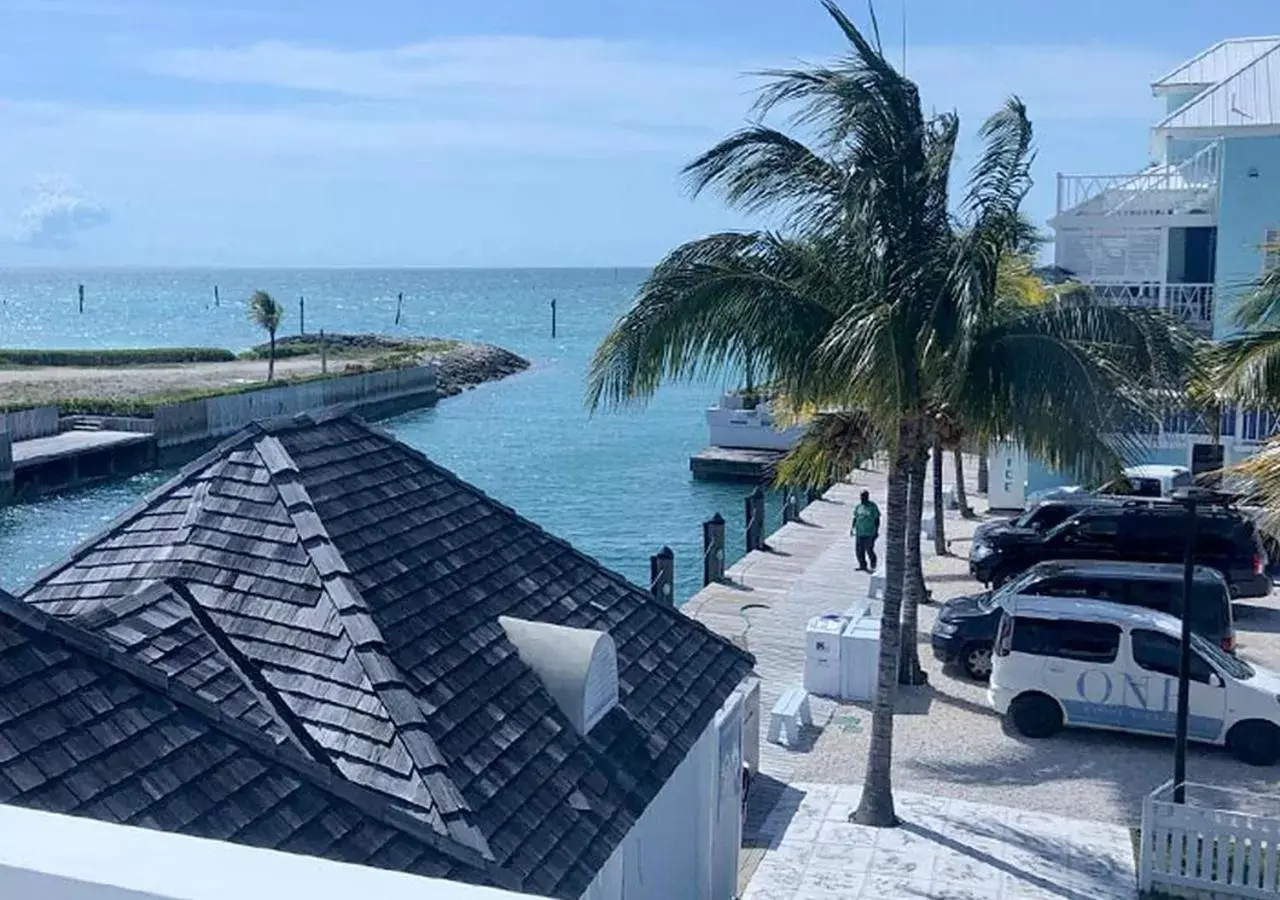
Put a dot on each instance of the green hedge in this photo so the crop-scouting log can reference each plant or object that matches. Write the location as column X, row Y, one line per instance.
column 141, row 357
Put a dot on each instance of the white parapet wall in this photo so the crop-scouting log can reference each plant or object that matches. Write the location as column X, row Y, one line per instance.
column 44, row 856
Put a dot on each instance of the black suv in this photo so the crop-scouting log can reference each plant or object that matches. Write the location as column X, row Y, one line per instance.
column 1226, row 540
column 1047, row 514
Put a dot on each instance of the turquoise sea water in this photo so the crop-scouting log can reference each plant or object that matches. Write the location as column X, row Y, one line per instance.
column 616, row 485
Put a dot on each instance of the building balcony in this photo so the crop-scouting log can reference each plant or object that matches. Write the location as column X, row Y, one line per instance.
column 1188, row 188
column 1192, row 303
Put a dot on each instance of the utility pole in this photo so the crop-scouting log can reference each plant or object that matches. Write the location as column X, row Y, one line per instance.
column 1190, row 497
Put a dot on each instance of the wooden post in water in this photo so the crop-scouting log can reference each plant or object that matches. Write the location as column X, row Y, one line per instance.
column 713, row 550
column 755, row 520
column 662, row 576
column 324, row 355
column 302, row 315
column 399, row 304
column 217, row 301
column 80, row 292
column 553, row 316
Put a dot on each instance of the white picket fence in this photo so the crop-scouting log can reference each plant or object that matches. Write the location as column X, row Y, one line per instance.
column 1195, row 848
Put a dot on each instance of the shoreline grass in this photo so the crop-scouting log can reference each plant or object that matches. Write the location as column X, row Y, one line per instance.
column 120, row 358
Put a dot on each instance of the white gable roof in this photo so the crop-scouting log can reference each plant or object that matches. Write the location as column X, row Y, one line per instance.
column 53, row 856
column 1248, row 98
column 1216, row 64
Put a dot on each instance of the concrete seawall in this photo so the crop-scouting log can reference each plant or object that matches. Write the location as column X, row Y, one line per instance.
column 41, row 452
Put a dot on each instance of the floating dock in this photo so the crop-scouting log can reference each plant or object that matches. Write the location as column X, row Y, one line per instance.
column 74, row 458
column 735, row 464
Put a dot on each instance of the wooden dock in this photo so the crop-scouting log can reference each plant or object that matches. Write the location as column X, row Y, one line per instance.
column 735, row 464
column 808, row 571
column 74, row 458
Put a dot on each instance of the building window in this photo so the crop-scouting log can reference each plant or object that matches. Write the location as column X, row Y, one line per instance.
column 1271, row 250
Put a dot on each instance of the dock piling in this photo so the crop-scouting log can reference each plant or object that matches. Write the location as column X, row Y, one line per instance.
column 324, row 355
column 80, row 293
column 302, row 315
column 713, row 550
column 399, row 305
column 755, row 520
column 553, row 316
column 662, row 576
column 217, row 301
column 790, row 506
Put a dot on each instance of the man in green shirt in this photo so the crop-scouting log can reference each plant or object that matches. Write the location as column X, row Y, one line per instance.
column 865, row 530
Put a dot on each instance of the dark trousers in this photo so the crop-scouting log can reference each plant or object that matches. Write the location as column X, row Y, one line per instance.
column 865, row 548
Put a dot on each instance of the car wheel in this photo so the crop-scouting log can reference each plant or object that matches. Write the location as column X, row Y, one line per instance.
column 1255, row 742
column 975, row 659
column 1036, row 715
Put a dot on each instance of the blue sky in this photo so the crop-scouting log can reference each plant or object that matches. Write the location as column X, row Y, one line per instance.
column 491, row 132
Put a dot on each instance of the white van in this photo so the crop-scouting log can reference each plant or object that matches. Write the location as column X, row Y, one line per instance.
column 1094, row 664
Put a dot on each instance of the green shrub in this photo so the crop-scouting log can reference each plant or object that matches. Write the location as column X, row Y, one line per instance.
column 112, row 358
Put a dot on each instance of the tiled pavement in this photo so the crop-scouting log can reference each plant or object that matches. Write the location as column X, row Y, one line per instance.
column 944, row 850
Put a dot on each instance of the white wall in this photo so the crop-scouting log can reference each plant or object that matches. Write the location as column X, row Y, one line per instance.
column 670, row 853
column 51, row 857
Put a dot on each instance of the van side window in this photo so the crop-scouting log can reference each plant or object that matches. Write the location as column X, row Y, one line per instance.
column 1076, row 586
column 1085, row 641
column 1157, row 652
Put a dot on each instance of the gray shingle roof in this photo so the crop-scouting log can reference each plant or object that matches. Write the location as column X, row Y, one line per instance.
column 344, row 593
column 85, row 729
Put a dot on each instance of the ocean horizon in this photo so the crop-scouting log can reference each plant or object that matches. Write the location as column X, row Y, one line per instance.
column 614, row 484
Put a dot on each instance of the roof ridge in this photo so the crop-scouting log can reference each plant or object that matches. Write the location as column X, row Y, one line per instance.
column 604, row 570
column 144, row 503
column 1214, row 88
column 368, row 801
column 369, row 645
column 252, row 678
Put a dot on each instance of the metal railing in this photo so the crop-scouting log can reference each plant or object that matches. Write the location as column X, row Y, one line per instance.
column 1188, row 186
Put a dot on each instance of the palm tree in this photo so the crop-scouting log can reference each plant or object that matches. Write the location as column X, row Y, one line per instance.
column 871, row 302
column 267, row 314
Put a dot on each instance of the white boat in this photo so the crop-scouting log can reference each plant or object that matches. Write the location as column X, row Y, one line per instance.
column 743, row 422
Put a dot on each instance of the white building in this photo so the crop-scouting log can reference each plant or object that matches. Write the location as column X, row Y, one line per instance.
column 314, row 639
column 1188, row 233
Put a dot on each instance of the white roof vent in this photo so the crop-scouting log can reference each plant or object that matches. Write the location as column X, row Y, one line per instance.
column 578, row 667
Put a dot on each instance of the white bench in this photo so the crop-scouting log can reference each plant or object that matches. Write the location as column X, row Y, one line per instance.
column 875, row 587
column 789, row 715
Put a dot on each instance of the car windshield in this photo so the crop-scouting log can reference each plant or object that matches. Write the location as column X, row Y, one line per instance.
column 988, row 601
column 1236, row 668
column 1024, row 520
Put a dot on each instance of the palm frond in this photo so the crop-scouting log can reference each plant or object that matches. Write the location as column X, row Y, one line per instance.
column 265, row 312
column 832, row 446
column 709, row 306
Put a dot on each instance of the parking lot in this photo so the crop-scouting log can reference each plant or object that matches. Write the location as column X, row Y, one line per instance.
column 948, row 742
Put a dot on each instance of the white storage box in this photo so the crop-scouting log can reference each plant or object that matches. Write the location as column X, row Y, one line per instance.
column 860, row 658
column 822, row 655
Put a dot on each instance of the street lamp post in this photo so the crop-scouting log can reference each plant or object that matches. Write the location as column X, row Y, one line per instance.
column 1190, row 498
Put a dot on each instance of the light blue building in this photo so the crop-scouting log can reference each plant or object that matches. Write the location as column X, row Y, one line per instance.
column 1189, row 233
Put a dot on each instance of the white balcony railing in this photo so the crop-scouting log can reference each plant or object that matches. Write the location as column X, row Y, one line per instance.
column 1162, row 190
column 1193, row 303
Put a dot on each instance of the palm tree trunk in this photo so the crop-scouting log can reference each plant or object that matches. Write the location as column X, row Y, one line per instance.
column 876, row 806
column 271, row 358
column 962, row 499
column 913, row 588
column 984, row 471
column 939, row 528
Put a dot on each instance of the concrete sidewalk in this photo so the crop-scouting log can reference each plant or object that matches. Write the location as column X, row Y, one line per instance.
column 945, row 849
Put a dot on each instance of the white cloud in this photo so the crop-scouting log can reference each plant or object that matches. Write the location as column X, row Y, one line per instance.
column 57, row 213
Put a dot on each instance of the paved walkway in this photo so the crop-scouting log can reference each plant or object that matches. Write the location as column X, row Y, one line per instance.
column 944, row 849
